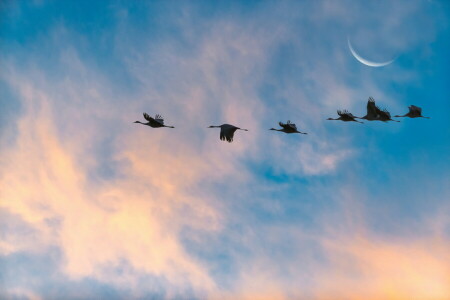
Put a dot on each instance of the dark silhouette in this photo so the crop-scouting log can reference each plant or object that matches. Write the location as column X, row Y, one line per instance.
column 414, row 112
column 372, row 111
column 288, row 128
column 345, row 116
column 156, row 122
column 227, row 131
column 385, row 116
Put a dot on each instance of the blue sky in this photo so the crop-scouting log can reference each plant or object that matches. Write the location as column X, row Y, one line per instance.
column 94, row 206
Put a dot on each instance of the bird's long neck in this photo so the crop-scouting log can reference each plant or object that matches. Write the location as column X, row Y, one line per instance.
column 425, row 117
column 276, row 129
column 400, row 116
column 139, row 122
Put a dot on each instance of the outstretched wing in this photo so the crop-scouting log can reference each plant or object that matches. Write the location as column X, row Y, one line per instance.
column 385, row 114
column 415, row 110
column 372, row 109
column 382, row 113
column 344, row 113
column 159, row 119
column 148, row 118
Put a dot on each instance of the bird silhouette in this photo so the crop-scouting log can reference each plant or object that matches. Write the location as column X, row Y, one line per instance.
column 345, row 116
column 385, row 116
column 288, row 128
column 155, row 122
column 227, row 131
column 414, row 112
column 372, row 111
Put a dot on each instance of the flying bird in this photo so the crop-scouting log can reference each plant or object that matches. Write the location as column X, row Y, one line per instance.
column 385, row 116
column 372, row 111
column 288, row 128
column 345, row 116
column 155, row 122
column 227, row 131
column 414, row 112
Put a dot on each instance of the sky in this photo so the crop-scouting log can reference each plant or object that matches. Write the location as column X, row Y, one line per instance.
column 93, row 206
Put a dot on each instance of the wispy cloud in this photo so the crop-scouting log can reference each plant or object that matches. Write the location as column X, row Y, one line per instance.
column 129, row 211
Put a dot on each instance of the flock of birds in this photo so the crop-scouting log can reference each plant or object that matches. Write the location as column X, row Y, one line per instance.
column 374, row 113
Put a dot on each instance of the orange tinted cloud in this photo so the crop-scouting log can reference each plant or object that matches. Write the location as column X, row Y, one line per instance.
column 351, row 267
column 135, row 218
column 373, row 268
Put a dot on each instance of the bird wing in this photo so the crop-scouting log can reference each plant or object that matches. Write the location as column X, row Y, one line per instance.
column 227, row 132
column 148, row 118
column 159, row 119
column 415, row 110
column 292, row 126
column 372, row 109
column 345, row 114
column 288, row 126
column 385, row 114
column 379, row 111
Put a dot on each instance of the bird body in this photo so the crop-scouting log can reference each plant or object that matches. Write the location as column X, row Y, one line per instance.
column 156, row 122
column 345, row 116
column 227, row 131
column 288, row 128
column 414, row 112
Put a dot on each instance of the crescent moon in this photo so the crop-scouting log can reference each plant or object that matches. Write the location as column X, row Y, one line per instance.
column 365, row 61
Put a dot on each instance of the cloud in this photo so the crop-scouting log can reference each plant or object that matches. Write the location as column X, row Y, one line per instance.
column 135, row 217
column 342, row 256
column 136, row 212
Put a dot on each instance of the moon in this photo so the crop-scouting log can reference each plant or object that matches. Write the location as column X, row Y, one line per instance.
column 365, row 61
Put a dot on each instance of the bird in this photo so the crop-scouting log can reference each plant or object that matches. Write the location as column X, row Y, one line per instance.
column 155, row 122
column 372, row 111
column 414, row 112
column 288, row 128
column 227, row 131
column 385, row 116
column 345, row 116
